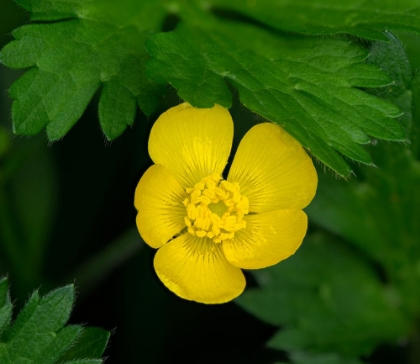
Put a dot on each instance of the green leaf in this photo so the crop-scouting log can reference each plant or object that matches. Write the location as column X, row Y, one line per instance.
column 366, row 19
column 391, row 57
column 84, row 361
column 301, row 357
column 59, row 345
column 144, row 15
column 5, row 305
column 327, row 298
column 38, row 335
column 41, row 318
column 306, row 358
column 380, row 216
column 308, row 86
column 73, row 59
column 92, row 344
column 383, row 205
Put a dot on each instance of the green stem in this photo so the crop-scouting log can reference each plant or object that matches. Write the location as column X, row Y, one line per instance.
column 96, row 269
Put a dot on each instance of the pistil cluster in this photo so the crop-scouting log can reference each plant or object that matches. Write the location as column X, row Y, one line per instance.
column 215, row 208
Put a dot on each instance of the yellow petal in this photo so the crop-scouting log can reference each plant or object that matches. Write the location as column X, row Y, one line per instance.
column 273, row 170
column 267, row 239
column 158, row 200
column 192, row 143
column 197, row 270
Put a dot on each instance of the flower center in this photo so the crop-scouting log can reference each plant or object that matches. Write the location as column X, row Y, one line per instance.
column 215, row 208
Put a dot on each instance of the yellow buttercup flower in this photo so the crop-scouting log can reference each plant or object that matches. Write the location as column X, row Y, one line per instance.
column 207, row 228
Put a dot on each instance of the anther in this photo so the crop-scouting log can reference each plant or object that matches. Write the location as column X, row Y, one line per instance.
column 215, row 209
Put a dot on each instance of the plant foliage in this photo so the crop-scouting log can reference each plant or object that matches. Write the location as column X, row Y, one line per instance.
column 341, row 304
column 334, row 74
column 39, row 335
column 322, row 298
column 308, row 86
column 313, row 87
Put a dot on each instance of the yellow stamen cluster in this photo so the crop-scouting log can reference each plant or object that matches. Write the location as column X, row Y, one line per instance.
column 215, row 208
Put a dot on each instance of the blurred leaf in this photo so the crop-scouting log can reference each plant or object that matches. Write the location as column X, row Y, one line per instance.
column 380, row 215
column 306, row 358
column 391, row 57
column 411, row 43
column 366, row 19
column 308, row 86
column 144, row 15
column 92, row 47
column 300, row 357
column 38, row 335
column 327, row 298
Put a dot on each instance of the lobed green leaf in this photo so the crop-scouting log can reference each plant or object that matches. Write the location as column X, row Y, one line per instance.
column 73, row 59
column 382, row 207
column 91, row 344
column 311, row 87
column 40, row 319
column 38, row 335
